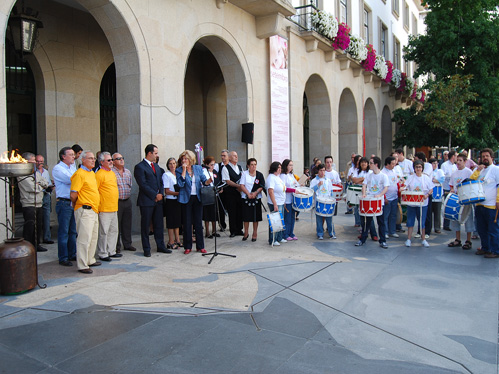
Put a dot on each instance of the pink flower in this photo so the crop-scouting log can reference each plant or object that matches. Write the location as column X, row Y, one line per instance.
column 389, row 75
column 414, row 91
column 370, row 61
column 342, row 39
column 423, row 96
column 402, row 83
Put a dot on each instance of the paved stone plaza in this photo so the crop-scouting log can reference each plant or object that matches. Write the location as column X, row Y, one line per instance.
column 305, row 307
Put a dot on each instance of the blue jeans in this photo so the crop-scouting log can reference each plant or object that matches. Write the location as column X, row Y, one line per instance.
column 414, row 212
column 320, row 228
column 390, row 215
column 289, row 221
column 46, row 207
column 356, row 215
column 278, row 236
column 66, row 234
column 487, row 229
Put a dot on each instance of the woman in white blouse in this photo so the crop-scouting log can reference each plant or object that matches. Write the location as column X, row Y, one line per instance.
column 289, row 214
column 173, row 211
column 252, row 184
column 276, row 191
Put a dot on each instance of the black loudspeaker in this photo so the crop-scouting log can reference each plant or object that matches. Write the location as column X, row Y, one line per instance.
column 247, row 134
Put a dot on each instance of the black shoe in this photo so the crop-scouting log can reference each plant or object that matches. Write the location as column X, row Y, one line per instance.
column 116, row 255
column 107, row 259
column 72, row 259
column 86, row 271
column 48, row 242
column 165, row 250
column 147, row 254
column 41, row 249
column 348, row 212
column 232, row 235
column 96, row 263
column 217, row 235
column 133, row 249
column 241, row 233
column 65, row 263
column 447, row 229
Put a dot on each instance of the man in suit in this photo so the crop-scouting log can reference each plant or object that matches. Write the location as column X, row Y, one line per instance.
column 149, row 177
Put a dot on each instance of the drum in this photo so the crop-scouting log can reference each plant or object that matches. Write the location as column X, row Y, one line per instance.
column 324, row 206
column 353, row 194
column 470, row 192
column 303, row 199
column 412, row 198
column 438, row 193
column 371, row 206
column 337, row 191
column 454, row 211
column 276, row 222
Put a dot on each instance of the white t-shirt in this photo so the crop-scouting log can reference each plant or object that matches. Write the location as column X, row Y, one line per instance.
column 276, row 183
column 324, row 190
column 490, row 179
column 333, row 176
column 457, row 177
column 375, row 183
column 438, row 175
column 248, row 181
column 290, row 182
column 169, row 180
column 398, row 170
column 448, row 168
column 392, row 192
column 420, row 184
column 406, row 166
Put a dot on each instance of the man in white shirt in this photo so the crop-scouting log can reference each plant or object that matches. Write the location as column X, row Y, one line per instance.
column 375, row 184
column 231, row 174
column 47, row 199
column 391, row 198
column 457, row 177
column 323, row 188
column 486, row 212
column 404, row 163
column 448, row 167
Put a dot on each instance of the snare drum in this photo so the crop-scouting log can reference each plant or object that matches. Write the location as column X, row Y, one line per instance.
column 412, row 198
column 337, row 191
column 353, row 194
column 438, row 193
column 303, row 199
column 371, row 206
column 276, row 222
column 324, row 206
column 454, row 211
column 470, row 192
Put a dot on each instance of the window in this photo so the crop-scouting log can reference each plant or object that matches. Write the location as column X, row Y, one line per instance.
column 396, row 7
column 383, row 47
column 414, row 25
column 396, row 54
column 407, row 67
column 366, row 21
column 406, row 16
column 343, row 11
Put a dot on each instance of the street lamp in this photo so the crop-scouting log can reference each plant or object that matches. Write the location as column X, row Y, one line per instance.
column 24, row 29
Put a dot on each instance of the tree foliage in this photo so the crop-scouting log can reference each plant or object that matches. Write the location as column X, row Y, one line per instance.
column 462, row 37
column 449, row 105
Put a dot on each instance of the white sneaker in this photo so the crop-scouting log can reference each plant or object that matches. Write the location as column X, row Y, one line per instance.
column 394, row 236
column 407, row 243
column 284, row 241
column 277, row 244
column 427, row 236
column 417, row 235
column 424, row 243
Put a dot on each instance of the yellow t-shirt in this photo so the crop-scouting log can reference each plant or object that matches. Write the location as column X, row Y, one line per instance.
column 85, row 184
column 108, row 190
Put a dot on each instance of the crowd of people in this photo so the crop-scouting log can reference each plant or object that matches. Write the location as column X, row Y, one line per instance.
column 94, row 209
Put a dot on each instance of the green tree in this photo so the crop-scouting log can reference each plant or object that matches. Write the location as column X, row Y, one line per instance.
column 462, row 37
column 448, row 107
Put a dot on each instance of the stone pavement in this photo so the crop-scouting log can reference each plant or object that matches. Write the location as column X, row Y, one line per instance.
column 305, row 307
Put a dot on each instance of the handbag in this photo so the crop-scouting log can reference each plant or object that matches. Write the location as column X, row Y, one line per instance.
column 208, row 195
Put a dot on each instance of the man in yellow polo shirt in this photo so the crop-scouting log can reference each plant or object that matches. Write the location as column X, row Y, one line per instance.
column 108, row 208
column 486, row 212
column 85, row 198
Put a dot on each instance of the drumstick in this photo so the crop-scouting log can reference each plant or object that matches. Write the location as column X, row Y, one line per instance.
column 495, row 219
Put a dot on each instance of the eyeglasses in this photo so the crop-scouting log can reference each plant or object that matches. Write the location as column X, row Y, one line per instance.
column 118, row 159
column 110, row 160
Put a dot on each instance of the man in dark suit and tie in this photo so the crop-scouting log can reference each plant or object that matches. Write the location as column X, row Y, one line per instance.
column 149, row 177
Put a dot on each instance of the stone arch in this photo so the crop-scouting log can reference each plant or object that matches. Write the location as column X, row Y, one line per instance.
column 319, row 118
column 371, row 129
column 228, row 88
column 348, row 125
column 386, row 131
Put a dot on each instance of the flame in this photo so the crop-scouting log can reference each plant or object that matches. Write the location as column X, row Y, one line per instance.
column 14, row 158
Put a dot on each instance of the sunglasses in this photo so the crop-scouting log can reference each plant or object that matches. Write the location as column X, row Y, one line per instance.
column 118, row 159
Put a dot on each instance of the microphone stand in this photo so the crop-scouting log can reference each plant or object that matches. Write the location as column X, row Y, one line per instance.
column 215, row 253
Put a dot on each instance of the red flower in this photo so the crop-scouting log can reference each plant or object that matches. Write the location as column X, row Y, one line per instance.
column 342, row 39
column 389, row 75
column 370, row 61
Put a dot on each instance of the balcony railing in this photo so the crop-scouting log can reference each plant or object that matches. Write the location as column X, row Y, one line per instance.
column 303, row 16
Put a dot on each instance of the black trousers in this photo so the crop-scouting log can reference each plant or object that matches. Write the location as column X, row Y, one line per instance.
column 192, row 215
column 234, row 208
column 154, row 214
column 124, row 223
column 29, row 225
